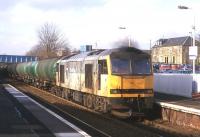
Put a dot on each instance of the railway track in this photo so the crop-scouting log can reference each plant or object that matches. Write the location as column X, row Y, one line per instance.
column 97, row 124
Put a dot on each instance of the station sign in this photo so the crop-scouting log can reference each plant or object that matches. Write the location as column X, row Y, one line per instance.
column 192, row 52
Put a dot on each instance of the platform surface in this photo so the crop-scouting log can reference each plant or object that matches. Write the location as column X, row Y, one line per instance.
column 57, row 125
column 180, row 103
column 12, row 124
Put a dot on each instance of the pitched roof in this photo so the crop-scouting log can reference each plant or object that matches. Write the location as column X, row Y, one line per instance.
column 182, row 41
column 176, row 41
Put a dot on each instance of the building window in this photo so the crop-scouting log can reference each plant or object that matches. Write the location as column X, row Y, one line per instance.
column 173, row 59
column 166, row 60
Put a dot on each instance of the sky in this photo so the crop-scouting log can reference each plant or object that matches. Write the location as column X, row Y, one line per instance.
column 95, row 22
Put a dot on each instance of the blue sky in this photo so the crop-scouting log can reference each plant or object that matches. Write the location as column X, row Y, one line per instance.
column 95, row 21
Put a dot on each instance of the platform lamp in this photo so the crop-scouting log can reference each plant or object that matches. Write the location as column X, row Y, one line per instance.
column 192, row 48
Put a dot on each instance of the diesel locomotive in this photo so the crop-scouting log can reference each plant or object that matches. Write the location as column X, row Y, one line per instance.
column 117, row 80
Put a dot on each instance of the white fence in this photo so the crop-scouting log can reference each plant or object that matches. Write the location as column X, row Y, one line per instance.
column 177, row 84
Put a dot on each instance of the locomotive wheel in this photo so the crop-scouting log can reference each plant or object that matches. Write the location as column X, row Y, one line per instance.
column 89, row 101
column 63, row 94
column 85, row 100
column 67, row 94
column 104, row 105
column 96, row 103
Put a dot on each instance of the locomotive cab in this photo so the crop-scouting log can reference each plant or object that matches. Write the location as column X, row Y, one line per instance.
column 130, row 81
column 130, row 71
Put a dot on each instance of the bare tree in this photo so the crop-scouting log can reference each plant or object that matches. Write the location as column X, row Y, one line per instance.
column 51, row 42
column 37, row 50
column 125, row 43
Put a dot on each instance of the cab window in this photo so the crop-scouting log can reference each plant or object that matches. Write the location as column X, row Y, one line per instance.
column 103, row 67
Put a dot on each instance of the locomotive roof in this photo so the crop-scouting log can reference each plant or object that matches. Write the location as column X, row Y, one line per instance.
column 82, row 56
column 95, row 54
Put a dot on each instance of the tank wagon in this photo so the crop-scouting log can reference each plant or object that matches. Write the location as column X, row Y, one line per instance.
column 113, row 80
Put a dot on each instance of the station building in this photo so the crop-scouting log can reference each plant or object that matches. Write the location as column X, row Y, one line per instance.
column 174, row 51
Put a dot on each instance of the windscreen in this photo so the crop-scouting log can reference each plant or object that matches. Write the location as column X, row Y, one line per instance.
column 130, row 64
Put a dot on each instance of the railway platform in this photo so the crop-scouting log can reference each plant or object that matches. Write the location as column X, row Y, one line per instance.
column 13, row 124
column 44, row 121
column 179, row 110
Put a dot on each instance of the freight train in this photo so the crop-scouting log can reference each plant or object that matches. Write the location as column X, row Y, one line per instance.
column 117, row 80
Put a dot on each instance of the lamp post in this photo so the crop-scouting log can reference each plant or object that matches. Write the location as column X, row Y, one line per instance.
column 129, row 39
column 193, row 48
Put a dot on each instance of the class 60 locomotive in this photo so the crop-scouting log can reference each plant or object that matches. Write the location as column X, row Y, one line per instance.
column 117, row 81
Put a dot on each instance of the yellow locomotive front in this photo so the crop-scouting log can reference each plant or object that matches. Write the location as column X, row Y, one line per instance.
column 129, row 81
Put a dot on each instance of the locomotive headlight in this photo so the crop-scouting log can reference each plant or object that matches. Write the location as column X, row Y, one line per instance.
column 149, row 91
column 114, row 91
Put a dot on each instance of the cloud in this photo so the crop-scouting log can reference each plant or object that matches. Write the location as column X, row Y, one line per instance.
column 7, row 4
column 53, row 4
column 93, row 21
column 65, row 4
